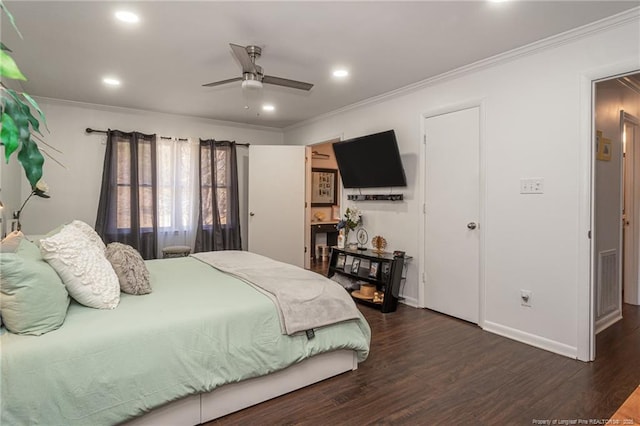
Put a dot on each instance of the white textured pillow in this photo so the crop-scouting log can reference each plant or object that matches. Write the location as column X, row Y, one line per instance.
column 84, row 269
column 89, row 232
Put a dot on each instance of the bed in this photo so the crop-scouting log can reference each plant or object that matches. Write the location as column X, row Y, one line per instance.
column 201, row 345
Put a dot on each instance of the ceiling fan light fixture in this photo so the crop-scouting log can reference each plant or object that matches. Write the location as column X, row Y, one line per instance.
column 128, row 17
column 110, row 81
column 252, row 84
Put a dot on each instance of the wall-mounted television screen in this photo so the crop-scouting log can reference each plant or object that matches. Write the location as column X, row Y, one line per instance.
column 371, row 161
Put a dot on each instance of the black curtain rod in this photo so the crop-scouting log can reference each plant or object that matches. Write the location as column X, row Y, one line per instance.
column 90, row 130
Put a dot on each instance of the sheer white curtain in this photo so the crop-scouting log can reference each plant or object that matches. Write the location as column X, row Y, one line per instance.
column 178, row 192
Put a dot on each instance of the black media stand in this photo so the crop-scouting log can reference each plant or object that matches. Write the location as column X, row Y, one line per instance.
column 383, row 270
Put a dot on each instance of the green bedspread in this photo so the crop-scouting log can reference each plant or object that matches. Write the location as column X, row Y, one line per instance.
column 199, row 329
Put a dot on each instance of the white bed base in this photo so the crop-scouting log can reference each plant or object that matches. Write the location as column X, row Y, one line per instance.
column 196, row 409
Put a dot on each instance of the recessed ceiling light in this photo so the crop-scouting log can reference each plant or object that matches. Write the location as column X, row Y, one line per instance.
column 110, row 81
column 126, row 16
column 268, row 107
column 340, row 73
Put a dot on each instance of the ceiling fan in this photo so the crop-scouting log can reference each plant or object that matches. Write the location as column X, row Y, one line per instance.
column 252, row 74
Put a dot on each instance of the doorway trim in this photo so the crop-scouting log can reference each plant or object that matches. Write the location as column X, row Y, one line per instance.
column 631, row 290
column 585, row 347
column 454, row 107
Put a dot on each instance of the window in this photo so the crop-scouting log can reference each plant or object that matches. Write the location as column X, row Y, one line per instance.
column 125, row 202
column 214, row 181
column 219, row 226
column 151, row 195
column 177, row 184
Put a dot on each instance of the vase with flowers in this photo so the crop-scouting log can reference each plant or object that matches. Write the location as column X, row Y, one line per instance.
column 352, row 218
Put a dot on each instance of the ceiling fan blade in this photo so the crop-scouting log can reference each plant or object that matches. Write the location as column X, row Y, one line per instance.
column 217, row 83
column 241, row 53
column 287, row 83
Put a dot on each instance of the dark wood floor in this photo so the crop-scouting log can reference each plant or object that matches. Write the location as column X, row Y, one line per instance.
column 428, row 368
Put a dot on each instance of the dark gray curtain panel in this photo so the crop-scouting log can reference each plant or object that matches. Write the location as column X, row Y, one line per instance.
column 219, row 219
column 128, row 197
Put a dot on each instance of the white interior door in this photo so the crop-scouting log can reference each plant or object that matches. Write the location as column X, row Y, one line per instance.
column 631, row 217
column 276, row 202
column 452, row 211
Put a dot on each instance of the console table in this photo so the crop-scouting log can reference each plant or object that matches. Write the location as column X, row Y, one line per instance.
column 386, row 275
column 328, row 228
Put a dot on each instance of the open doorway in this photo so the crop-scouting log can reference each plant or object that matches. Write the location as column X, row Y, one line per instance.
column 324, row 201
column 616, row 254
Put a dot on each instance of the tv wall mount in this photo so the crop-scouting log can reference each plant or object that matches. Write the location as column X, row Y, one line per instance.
column 375, row 197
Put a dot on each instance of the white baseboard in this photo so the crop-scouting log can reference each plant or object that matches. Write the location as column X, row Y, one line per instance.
column 608, row 320
column 409, row 301
column 531, row 339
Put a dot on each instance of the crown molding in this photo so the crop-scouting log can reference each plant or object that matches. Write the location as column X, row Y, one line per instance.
column 501, row 58
column 117, row 109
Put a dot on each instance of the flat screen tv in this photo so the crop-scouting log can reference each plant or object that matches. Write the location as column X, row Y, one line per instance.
column 371, row 161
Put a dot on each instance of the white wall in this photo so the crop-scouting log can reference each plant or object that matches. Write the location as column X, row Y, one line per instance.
column 75, row 190
column 531, row 127
column 11, row 175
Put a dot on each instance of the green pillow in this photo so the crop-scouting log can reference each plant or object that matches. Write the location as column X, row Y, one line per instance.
column 33, row 299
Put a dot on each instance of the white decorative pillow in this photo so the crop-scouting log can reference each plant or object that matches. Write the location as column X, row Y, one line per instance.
column 84, row 269
column 89, row 232
column 130, row 268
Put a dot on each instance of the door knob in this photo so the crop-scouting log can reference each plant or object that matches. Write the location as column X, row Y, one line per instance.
column 472, row 225
column 252, row 214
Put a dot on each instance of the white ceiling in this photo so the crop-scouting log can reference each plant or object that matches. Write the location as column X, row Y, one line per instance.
column 68, row 47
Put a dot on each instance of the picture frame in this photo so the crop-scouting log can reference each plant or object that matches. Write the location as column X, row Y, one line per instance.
column 340, row 261
column 355, row 266
column 373, row 270
column 386, row 270
column 324, row 187
column 604, row 149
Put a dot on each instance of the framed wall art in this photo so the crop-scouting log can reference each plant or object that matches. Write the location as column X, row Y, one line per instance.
column 324, row 187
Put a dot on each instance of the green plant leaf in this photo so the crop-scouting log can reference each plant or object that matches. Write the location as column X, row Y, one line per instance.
column 10, row 16
column 9, row 135
column 35, row 105
column 4, row 47
column 15, row 110
column 27, row 111
column 32, row 160
column 25, row 108
column 9, row 68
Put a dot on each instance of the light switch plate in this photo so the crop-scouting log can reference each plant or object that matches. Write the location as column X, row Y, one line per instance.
column 532, row 186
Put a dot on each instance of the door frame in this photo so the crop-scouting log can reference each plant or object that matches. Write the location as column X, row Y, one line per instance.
column 585, row 347
column 472, row 103
column 634, row 253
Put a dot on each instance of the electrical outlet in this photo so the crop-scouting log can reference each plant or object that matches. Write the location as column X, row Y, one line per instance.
column 525, row 298
column 537, row 186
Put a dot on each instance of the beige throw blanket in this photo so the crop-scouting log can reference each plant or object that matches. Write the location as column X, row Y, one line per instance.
column 305, row 300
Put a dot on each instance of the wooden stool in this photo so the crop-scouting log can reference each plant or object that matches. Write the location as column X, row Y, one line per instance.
column 175, row 251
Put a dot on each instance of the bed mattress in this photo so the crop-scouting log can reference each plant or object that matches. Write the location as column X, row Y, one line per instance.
column 197, row 330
